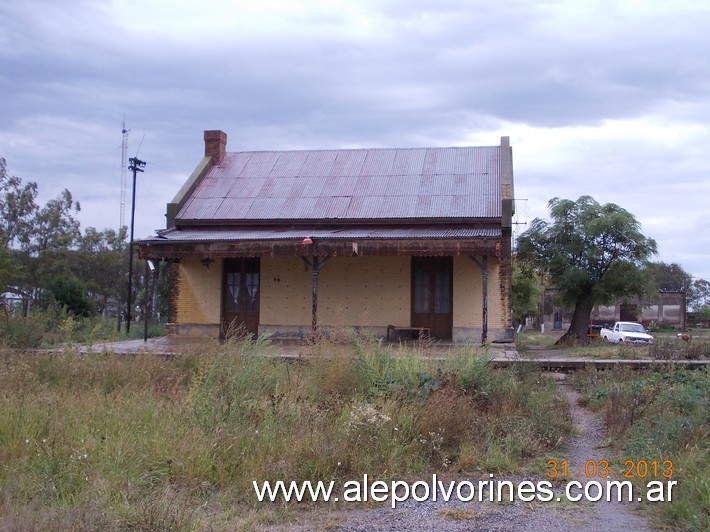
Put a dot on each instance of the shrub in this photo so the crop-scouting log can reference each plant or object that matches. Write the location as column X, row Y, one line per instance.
column 664, row 349
column 71, row 293
column 676, row 349
column 660, row 416
column 20, row 332
column 112, row 441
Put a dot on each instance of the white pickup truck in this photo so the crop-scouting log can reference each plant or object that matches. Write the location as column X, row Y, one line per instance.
column 626, row 331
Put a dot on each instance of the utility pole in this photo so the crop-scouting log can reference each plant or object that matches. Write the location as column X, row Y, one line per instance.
column 135, row 166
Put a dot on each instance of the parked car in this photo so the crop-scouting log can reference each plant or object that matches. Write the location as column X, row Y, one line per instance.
column 626, row 331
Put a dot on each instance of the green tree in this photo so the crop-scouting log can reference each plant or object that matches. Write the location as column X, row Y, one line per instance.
column 44, row 247
column 17, row 206
column 699, row 294
column 592, row 253
column 670, row 277
column 100, row 261
column 9, row 271
column 71, row 293
column 526, row 293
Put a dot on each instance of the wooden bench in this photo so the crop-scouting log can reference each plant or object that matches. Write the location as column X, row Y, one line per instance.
column 416, row 333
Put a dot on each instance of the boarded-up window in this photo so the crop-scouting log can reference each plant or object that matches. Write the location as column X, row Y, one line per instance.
column 671, row 312
column 650, row 313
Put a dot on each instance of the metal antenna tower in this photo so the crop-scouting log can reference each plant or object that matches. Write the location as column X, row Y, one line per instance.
column 124, row 167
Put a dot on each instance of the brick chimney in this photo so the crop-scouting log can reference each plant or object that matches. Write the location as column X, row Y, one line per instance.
column 215, row 145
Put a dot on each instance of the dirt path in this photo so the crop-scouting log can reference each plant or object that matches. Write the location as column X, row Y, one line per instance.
column 486, row 516
column 585, row 446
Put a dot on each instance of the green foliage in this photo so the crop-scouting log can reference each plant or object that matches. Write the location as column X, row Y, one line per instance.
column 17, row 206
column 676, row 349
column 20, row 332
column 698, row 295
column 39, row 243
column 527, row 291
column 119, row 439
column 57, row 326
column 101, row 258
column 660, row 416
column 9, row 270
column 71, row 293
column 670, row 277
column 592, row 254
column 226, row 385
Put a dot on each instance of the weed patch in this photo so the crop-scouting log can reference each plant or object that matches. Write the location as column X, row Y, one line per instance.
column 660, row 416
column 113, row 441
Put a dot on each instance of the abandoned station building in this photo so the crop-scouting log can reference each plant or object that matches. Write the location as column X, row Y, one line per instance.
column 386, row 241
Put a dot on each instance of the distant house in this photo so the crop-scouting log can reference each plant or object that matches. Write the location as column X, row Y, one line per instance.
column 668, row 309
column 381, row 240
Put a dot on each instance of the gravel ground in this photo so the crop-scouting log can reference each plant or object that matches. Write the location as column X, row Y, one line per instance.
column 537, row 516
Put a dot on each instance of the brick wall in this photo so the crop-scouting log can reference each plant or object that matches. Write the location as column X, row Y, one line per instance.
column 368, row 292
column 363, row 291
column 199, row 292
column 468, row 300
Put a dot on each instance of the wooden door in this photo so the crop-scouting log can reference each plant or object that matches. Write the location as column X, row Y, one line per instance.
column 432, row 295
column 240, row 290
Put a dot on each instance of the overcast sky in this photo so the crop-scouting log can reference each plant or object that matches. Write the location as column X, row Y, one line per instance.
column 603, row 98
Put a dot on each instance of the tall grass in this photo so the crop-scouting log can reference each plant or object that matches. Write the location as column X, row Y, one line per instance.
column 660, row 416
column 55, row 326
column 113, row 442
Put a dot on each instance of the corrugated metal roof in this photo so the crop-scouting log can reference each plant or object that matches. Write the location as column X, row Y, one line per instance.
column 204, row 234
column 365, row 184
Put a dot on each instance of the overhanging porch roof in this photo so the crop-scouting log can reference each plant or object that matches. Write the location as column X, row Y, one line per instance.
column 204, row 242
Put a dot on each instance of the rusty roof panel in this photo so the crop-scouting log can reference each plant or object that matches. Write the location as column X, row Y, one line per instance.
column 233, row 208
column 259, row 164
column 350, row 184
column 319, row 163
column 246, row 188
column 378, row 162
column 333, row 208
column 339, row 186
column 282, row 187
column 232, row 164
column 211, row 187
column 299, row 207
column 289, row 164
column 348, row 163
column 404, row 185
column 314, row 187
column 298, row 188
column 408, row 162
column 266, row 208
column 205, row 209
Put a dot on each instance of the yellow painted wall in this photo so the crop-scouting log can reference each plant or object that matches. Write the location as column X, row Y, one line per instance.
column 468, row 303
column 199, row 293
column 367, row 291
column 285, row 292
column 364, row 291
column 353, row 291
